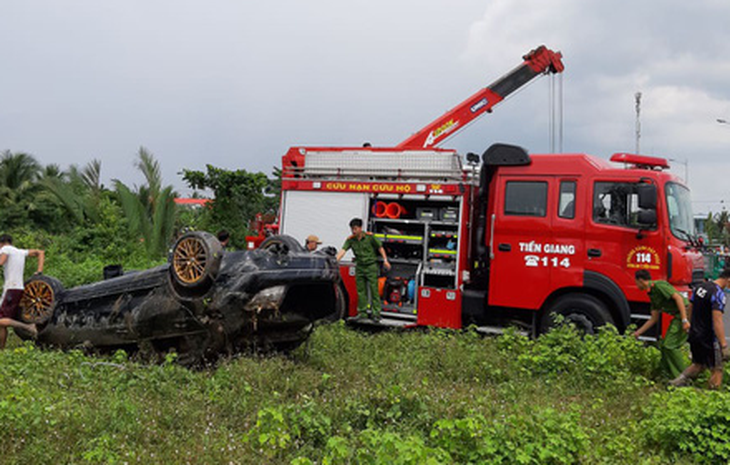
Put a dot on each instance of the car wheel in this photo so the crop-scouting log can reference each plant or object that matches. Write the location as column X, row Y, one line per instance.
column 196, row 259
column 281, row 245
column 586, row 312
column 341, row 304
column 40, row 297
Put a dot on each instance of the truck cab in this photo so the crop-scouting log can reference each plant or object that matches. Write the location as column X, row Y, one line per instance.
column 565, row 233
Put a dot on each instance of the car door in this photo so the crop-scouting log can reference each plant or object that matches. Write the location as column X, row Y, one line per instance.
column 519, row 231
column 616, row 244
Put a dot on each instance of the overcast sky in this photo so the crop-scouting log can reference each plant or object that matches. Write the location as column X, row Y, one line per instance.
column 234, row 83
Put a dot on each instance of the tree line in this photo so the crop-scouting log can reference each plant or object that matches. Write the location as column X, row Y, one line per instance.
column 46, row 198
column 717, row 228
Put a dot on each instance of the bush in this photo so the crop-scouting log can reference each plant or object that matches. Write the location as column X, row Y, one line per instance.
column 281, row 428
column 542, row 437
column 589, row 358
column 691, row 423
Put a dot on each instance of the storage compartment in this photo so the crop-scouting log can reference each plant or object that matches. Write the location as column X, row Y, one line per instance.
column 427, row 214
column 397, row 289
column 439, row 307
column 449, row 214
column 439, row 280
column 421, row 235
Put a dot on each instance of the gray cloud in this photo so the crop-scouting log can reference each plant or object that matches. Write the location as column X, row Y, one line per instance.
column 236, row 83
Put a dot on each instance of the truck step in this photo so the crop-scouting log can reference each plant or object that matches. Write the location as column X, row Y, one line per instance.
column 400, row 316
column 638, row 319
column 383, row 322
column 497, row 330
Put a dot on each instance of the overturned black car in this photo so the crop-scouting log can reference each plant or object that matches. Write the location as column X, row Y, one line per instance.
column 206, row 302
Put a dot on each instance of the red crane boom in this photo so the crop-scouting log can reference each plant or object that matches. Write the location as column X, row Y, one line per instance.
column 538, row 61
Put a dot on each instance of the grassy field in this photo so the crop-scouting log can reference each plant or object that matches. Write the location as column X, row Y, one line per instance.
column 349, row 397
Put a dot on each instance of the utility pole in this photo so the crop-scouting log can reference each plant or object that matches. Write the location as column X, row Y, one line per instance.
column 637, row 96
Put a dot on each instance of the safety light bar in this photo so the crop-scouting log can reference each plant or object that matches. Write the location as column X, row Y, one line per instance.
column 640, row 161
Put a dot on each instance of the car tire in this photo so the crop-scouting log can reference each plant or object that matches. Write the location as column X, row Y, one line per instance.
column 281, row 245
column 40, row 296
column 586, row 312
column 195, row 260
column 341, row 305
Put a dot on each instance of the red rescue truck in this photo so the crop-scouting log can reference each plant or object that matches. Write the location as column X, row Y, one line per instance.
column 513, row 238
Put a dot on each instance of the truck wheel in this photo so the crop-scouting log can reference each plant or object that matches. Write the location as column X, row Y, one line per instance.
column 196, row 259
column 40, row 297
column 586, row 312
column 281, row 245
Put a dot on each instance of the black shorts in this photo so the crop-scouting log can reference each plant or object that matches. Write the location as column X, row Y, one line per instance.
column 11, row 302
column 709, row 356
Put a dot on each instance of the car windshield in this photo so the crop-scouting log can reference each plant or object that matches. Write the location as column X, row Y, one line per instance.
column 679, row 207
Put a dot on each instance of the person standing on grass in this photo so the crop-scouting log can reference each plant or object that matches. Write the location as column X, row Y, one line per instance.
column 13, row 261
column 664, row 298
column 366, row 248
column 707, row 333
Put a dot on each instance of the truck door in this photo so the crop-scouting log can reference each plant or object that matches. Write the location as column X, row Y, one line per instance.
column 616, row 244
column 519, row 230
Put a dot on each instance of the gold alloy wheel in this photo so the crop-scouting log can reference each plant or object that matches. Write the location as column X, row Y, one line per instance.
column 36, row 306
column 190, row 260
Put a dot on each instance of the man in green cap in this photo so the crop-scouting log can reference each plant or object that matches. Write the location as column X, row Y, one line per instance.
column 366, row 249
column 664, row 297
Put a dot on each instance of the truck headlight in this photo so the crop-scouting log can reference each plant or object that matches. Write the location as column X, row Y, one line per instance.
column 270, row 297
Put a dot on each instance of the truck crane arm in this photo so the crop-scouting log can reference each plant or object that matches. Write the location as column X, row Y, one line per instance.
column 536, row 62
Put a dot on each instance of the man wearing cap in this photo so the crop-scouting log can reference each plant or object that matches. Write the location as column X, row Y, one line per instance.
column 366, row 249
column 312, row 243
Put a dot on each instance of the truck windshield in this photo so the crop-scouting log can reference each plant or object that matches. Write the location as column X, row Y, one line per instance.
column 679, row 207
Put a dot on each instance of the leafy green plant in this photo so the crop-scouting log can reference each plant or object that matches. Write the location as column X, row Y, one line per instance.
column 692, row 423
column 351, row 397
column 565, row 350
column 542, row 437
column 280, row 428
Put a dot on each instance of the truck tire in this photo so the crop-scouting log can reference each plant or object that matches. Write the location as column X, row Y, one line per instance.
column 281, row 245
column 586, row 312
column 40, row 297
column 196, row 259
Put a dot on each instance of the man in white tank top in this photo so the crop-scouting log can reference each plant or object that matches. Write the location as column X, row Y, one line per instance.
column 12, row 260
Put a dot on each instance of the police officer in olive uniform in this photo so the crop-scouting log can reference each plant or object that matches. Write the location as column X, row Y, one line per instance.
column 365, row 247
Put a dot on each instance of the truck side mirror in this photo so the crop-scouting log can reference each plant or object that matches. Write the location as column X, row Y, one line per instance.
column 647, row 197
column 646, row 217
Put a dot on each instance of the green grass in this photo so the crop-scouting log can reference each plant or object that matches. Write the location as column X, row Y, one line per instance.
column 349, row 397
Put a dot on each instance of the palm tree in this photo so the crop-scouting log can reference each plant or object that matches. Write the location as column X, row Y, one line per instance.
column 19, row 173
column 150, row 210
column 52, row 171
column 78, row 191
column 18, row 169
